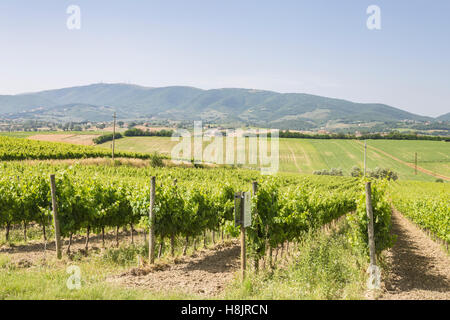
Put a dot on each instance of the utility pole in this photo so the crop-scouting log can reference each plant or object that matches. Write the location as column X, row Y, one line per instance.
column 114, row 136
column 415, row 163
column 365, row 156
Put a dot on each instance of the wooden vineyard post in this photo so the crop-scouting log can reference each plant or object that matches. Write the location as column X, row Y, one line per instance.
column 369, row 211
column 55, row 217
column 151, row 242
column 172, row 236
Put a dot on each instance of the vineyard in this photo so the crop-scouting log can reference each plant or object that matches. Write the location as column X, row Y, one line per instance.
column 197, row 204
column 91, row 199
column 240, row 157
column 426, row 204
column 24, row 149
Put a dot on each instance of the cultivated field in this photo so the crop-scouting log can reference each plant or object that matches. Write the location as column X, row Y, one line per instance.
column 303, row 155
column 431, row 155
column 308, row 155
column 85, row 140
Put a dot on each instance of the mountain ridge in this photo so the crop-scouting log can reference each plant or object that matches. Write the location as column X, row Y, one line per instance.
column 444, row 117
column 223, row 105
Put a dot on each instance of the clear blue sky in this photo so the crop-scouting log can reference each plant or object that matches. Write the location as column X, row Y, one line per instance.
column 318, row 47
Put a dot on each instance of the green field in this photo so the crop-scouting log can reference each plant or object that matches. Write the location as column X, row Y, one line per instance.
column 145, row 144
column 308, row 155
column 431, row 155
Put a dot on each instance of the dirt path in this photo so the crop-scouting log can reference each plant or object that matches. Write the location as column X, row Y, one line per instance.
column 411, row 165
column 206, row 273
column 419, row 268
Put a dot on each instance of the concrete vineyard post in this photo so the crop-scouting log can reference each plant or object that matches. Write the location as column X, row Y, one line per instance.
column 255, row 191
column 369, row 210
column 239, row 221
column 55, row 217
column 245, row 221
column 151, row 243
column 243, row 251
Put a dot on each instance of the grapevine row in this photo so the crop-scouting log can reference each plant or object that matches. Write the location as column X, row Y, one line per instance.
column 427, row 204
column 92, row 198
column 24, row 149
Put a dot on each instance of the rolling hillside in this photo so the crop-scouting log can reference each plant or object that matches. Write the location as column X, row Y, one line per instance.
column 255, row 107
column 74, row 112
column 444, row 117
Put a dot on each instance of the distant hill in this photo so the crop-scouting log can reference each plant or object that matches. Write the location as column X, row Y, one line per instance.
column 20, row 103
column 444, row 117
column 75, row 112
column 96, row 102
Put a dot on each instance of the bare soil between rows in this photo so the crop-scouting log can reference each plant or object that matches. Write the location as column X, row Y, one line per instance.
column 205, row 273
column 419, row 268
column 36, row 251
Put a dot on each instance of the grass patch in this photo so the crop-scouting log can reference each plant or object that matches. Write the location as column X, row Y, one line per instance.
column 125, row 255
column 50, row 284
column 323, row 267
column 48, row 281
column 47, row 278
